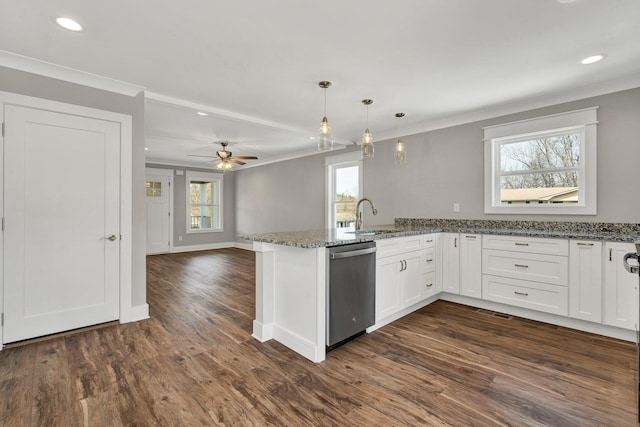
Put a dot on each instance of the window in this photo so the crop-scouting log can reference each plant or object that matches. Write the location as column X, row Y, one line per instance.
column 344, row 188
column 204, row 202
column 154, row 189
column 545, row 165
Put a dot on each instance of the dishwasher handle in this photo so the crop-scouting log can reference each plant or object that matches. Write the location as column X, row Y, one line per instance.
column 349, row 254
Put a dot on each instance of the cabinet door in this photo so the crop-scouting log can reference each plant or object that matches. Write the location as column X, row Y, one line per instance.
column 450, row 261
column 412, row 288
column 585, row 280
column 471, row 265
column 387, row 286
column 620, row 288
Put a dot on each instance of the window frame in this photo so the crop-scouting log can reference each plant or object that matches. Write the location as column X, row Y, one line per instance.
column 215, row 179
column 333, row 163
column 584, row 121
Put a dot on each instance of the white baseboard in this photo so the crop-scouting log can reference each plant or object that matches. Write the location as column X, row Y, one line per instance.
column 135, row 313
column 205, row 247
column 246, row 246
column 262, row 332
column 298, row 344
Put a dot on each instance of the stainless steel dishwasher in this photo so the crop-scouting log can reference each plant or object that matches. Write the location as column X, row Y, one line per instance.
column 351, row 292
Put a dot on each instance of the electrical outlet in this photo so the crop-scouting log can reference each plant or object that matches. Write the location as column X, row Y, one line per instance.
column 456, row 207
column 180, row 238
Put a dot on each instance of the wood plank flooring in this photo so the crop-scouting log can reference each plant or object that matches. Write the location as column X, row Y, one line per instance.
column 194, row 363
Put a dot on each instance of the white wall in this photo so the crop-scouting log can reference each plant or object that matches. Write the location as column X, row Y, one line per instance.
column 444, row 166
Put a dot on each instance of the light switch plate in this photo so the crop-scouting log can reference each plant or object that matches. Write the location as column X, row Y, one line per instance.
column 456, row 207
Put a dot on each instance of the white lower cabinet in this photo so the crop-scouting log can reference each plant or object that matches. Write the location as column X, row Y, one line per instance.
column 471, row 265
column 620, row 288
column 405, row 278
column 450, row 262
column 526, row 272
column 585, row 280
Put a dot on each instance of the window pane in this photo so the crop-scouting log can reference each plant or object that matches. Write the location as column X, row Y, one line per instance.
column 558, row 151
column 539, row 188
column 201, row 192
column 154, row 189
column 345, row 215
column 202, row 217
column 347, row 184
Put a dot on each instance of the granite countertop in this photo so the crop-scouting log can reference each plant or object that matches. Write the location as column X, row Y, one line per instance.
column 336, row 237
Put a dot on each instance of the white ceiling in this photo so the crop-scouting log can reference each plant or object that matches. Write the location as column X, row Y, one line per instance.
column 254, row 65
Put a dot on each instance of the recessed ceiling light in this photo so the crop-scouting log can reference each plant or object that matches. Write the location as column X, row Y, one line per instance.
column 201, row 113
column 593, row 59
column 68, row 24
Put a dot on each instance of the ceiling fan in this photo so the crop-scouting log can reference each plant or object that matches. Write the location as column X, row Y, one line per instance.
column 227, row 159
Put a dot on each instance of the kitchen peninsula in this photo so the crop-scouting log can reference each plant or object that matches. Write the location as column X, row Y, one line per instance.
column 291, row 274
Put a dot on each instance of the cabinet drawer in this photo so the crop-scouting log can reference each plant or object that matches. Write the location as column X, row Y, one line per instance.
column 526, row 244
column 397, row 245
column 428, row 240
column 429, row 283
column 429, row 260
column 523, row 293
column 540, row 268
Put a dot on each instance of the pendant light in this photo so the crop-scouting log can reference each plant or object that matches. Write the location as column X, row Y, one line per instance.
column 401, row 154
column 325, row 142
column 367, row 138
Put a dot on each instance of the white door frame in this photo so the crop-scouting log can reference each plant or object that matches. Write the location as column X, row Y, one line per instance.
column 167, row 173
column 128, row 312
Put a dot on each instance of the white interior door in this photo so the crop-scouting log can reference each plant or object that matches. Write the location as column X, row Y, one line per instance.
column 158, row 213
column 61, row 211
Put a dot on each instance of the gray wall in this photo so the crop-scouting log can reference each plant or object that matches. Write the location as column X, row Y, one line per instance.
column 23, row 83
column 444, row 166
column 180, row 209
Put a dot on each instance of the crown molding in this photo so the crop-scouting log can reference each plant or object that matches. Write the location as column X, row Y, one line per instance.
column 55, row 71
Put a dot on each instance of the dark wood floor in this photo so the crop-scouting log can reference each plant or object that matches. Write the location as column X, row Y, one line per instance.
column 194, row 363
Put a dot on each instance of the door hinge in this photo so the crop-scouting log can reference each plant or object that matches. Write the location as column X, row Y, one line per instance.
column 2, row 319
column 2, row 128
column 2, row 223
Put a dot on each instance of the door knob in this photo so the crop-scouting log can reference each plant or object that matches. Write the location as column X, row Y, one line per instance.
column 111, row 237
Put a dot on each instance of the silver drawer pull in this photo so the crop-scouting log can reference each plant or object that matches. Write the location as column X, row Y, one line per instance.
column 430, row 240
column 430, row 260
column 585, row 244
column 524, row 294
column 521, row 265
column 429, row 285
column 470, row 237
column 522, row 244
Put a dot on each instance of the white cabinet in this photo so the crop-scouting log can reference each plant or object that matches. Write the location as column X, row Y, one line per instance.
column 526, row 272
column 471, row 265
column 405, row 273
column 585, row 280
column 450, row 262
column 620, row 288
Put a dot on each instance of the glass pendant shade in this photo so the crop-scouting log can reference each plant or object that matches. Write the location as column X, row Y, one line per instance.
column 325, row 142
column 367, row 145
column 401, row 154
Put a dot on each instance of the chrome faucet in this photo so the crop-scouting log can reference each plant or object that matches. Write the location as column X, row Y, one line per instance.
column 359, row 213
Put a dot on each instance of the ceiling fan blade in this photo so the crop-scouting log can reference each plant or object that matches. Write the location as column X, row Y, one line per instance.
column 195, row 155
column 246, row 157
column 236, row 161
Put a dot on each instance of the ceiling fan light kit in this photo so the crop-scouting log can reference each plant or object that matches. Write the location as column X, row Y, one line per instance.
column 227, row 159
column 325, row 141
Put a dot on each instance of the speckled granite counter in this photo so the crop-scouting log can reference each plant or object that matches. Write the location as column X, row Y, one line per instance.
column 616, row 232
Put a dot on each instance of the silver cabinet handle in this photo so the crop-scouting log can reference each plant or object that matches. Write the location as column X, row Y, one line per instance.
column 403, row 265
column 110, row 237
column 521, row 244
column 470, row 237
column 455, row 242
column 521, row 265
column 524, row 294
column 584, row 244
column 430, row 260
column 610, row 254
column 349, row 254
column 429, row 285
